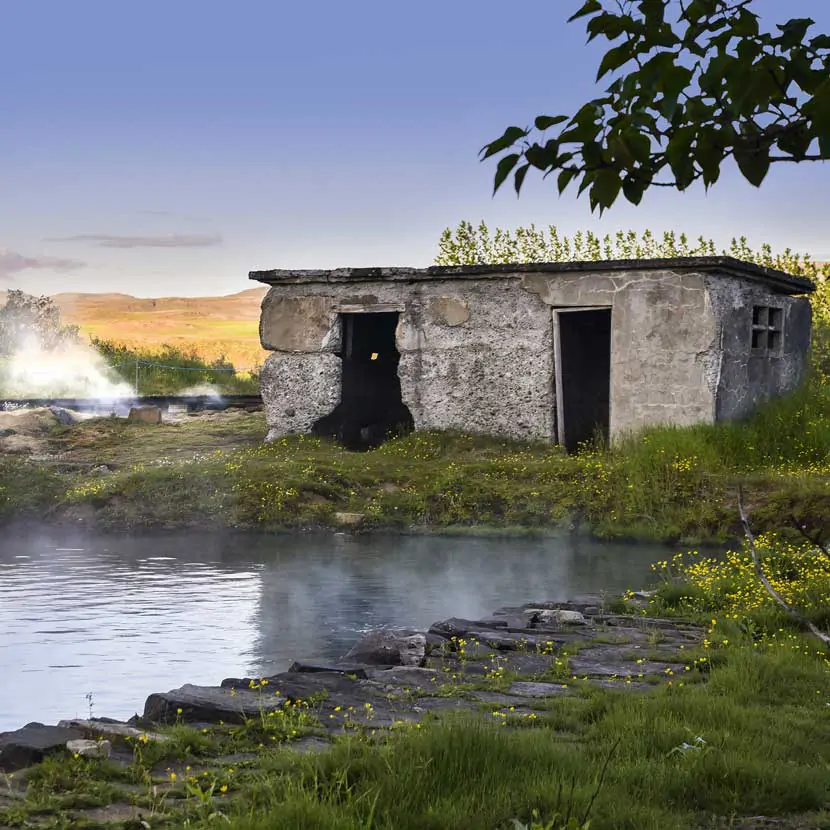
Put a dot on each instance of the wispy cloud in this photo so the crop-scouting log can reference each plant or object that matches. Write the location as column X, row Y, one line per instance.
column 172, row 214
column 172, row 240
column 12, row 262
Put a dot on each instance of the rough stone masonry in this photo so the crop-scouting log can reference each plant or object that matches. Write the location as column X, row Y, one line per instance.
column 552, row 351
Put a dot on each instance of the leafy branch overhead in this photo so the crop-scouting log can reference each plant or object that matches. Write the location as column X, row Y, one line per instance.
column 697, row 82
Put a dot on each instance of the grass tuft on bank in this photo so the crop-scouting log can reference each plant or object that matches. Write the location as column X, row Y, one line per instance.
column 667, row 484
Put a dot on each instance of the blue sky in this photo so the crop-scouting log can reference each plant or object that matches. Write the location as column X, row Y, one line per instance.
column 255, row 134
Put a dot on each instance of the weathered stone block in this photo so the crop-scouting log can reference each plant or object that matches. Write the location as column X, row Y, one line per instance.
column 32, row 744
column 388, row 648
column 299, row 389
column 89, row 749
column 144, row 415
column 295, row 324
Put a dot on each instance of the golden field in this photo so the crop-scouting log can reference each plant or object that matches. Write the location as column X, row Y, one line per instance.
column 212, row 326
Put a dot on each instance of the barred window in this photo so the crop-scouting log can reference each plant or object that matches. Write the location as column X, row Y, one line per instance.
column 767, row 329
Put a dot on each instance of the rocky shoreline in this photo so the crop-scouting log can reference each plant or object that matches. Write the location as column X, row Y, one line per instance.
column 507, row 666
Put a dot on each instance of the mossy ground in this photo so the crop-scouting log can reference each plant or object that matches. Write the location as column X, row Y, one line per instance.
column 665, row 485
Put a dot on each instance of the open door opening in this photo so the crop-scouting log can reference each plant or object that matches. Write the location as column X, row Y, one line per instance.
column 583, row 376
column 371, row 408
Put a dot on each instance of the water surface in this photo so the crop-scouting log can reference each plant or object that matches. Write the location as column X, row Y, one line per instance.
column 121, row 617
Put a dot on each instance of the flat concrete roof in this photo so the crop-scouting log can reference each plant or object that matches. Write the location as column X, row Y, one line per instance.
column 778, row 281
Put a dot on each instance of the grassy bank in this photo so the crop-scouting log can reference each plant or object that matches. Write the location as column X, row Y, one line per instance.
column 668, row 484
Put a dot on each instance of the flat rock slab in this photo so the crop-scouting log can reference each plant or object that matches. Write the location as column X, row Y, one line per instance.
column 500, row 699
column 357, row 669
column 32, row 744
column 609, row 661
column 108, row 729
column 406, row 677
column 529, row 689
column 458, row 626
column 295, row 686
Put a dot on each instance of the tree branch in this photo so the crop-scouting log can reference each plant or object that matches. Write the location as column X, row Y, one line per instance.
column 815, row 631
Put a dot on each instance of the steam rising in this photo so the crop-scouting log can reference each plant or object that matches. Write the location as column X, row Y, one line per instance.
column 70, row 370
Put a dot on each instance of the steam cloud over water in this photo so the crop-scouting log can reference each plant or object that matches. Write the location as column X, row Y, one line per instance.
column 72, row 370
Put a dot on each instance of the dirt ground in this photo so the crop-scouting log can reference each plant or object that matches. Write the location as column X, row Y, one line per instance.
column 112, row 441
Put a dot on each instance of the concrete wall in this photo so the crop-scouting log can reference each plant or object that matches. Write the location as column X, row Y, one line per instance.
column 746, row 379
column 477, row 353
column 663, row 343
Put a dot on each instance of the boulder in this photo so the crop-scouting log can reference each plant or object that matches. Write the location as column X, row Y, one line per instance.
column 558, row 616
column 65, row 417
column 458, row 627
column 388, row 648
column 349, row 519
column 354, row 669
column 89, row 749
column 144, row 415
column 32, row 744
column 30, row 422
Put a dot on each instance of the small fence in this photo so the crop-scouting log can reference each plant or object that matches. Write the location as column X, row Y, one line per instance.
column 151, row 378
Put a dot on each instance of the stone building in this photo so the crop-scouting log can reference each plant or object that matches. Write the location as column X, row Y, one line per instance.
column 554, row 351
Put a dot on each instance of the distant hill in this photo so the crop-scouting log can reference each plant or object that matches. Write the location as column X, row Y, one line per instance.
column 210, row 325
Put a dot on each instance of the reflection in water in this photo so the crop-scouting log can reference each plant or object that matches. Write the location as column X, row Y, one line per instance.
column 122, row 617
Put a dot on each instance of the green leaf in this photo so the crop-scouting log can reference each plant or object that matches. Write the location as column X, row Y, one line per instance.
column 503, row 169
column 794, row 31
column 587, row 181
column 817, row 109
column 796, row 140
column 754, row 164
column 709, row 154
column 606, row 187
column 803, row 73
column 824, row 145
column 605, row 24
column 639, row 144
column 543, row 122
column 590, row 7
column 820, row 42
column 633, row 188
column 592, row 153
column 542, row 157
column 614, row 59
column 745, row 25
column 620, row 151
column 520, row 177
column 674, row 80
column 654, row 11
column 508, row 139
column 678, row 154
column 565, row 178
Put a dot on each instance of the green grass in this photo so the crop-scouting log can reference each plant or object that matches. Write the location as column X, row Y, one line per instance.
column 762, row 716
column 668, row 484
column 156, row 377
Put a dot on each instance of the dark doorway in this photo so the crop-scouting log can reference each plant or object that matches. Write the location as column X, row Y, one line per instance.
column 585, row 373
column 371, row 408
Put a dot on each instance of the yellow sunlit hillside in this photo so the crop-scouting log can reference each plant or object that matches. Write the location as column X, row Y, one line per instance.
column 212, row 326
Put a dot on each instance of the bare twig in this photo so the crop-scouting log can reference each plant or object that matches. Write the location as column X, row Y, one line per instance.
column 816, row 632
